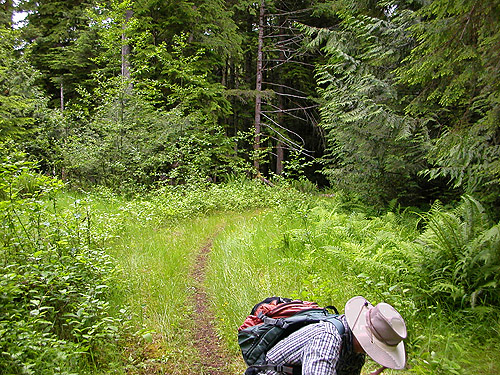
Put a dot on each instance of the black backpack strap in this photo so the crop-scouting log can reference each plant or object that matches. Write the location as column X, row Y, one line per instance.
column 280, row 369
column 280, row 322
column 331, row 307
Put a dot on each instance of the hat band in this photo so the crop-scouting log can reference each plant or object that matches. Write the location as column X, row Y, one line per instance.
column 390, row 338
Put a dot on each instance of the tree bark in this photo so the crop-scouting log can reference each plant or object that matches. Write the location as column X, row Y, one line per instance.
column 126, row 47
column 61, row 88
column 258, row 89
column 280, row 155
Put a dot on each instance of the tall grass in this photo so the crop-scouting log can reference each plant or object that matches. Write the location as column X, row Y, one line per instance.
column 270, row 242
column 156, row 264
column 316, row 250
column 155, row 241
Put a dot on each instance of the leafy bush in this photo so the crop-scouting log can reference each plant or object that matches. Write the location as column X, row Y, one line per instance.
column 171, row 203
column 54, row 281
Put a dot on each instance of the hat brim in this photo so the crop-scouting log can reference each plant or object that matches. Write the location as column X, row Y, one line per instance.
column 389, row 356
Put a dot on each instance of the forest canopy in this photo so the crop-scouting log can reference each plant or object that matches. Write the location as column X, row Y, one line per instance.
column 318, row 149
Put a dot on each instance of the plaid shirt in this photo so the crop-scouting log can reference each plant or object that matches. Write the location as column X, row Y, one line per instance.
column 319, row 349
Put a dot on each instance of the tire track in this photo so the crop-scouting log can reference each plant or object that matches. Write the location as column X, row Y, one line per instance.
column 214, row 358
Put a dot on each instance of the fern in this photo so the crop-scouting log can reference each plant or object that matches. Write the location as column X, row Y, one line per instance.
column 462, row 255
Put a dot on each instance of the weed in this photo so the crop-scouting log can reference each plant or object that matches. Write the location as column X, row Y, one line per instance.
column 54, row 280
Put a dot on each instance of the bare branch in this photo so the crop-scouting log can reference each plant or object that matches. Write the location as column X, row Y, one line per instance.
column 291, row 61
column 287, row 130
column 291, row 95
column 284, row 86
column 290, row 146
column 287, row 13
column 292, row 109
column 290, row 114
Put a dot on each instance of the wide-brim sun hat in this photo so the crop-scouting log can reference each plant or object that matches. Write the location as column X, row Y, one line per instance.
column 380, row 331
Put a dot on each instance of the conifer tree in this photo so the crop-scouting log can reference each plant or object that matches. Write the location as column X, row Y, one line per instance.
column 60, row 49
column 6, row 12
column 373, row 147
column 455, row 74
column 20, row 98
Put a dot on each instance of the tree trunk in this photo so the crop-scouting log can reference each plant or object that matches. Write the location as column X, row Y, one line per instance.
column 258, row 89
column 281, row 107
column 61, row 88
column 280, row 156
column 126, row 47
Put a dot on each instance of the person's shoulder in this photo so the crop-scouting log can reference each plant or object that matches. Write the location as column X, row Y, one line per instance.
column 330, row 327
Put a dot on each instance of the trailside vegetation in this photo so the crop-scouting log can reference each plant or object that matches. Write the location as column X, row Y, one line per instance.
column 365, row 134
column 55, row 278
column 438, row 269
column 83, row 277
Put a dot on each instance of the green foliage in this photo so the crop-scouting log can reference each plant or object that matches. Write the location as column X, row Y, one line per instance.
column 454, row 72
column 173, row 203
column 319, row 249
column 127, row 141
column 20, row 98
column 149, row 129
column 18, row 178
column 461, row 256
column 373, row 147
column 54, row 281
column 60, row 45
column 182, row 82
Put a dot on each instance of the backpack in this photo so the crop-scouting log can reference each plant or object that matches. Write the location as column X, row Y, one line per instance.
column 272, row 320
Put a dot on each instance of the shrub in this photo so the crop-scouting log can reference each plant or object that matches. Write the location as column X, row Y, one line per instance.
column 54, row 281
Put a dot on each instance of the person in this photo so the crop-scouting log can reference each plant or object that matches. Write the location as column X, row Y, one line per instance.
column 377, row 331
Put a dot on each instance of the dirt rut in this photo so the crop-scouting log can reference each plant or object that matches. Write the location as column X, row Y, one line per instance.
column 214, row 358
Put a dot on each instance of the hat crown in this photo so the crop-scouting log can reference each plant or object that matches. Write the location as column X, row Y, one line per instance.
column 386, row 324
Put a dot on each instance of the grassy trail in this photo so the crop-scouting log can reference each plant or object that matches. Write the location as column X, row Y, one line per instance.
column 164, row 271
column 218, row 266
column 213, row 356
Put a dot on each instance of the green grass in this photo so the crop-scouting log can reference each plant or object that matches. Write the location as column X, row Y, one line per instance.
column 301, row 247
column 156, row 264
column 320, row 252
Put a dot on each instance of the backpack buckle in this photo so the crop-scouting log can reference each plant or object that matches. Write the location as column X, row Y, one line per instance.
column 282, row 369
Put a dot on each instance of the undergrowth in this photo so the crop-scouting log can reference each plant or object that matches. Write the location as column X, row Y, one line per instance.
column 324, row 251
column 85, row 273
column 54, row 279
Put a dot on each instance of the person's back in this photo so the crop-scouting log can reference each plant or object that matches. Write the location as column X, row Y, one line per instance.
column 320, row 350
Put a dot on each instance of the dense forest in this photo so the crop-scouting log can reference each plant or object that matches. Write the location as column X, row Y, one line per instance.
column 361, row 139
column 389, row 99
